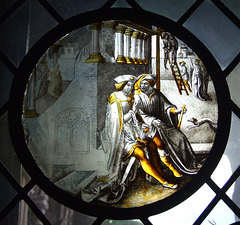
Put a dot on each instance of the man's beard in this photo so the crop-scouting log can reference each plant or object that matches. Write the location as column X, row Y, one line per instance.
column 148, row 91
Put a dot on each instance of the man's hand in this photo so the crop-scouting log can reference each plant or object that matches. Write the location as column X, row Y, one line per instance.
column 136, row 106
column 178, row 111
column 128, row 116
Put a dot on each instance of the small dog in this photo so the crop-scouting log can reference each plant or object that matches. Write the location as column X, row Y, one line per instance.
column 198, row 123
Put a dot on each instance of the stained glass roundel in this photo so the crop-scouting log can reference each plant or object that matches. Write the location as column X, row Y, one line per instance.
column 122, row 116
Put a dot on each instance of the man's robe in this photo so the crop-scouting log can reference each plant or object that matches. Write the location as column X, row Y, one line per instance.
column 177, row 146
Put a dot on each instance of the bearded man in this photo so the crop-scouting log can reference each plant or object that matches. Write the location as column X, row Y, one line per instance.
column 160, row 115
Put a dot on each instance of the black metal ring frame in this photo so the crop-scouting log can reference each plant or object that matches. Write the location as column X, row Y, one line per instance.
column 141, row 17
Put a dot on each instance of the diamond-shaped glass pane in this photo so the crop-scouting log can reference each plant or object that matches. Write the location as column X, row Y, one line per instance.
column 221, row 214
column 233, row 81
column 12, row 217
column 121, row 4
column 40, row 22
column 234, row 192
column 26, row 215
column 14, row 34
column 55, row 212
column 233, row 5
column 231, row 158
column 172, row 9
column 25, row 178
column 216, row 31
column 80, row 218
column 192, row 208
column 71, row 8
column 7, row 192
column 29, row 23
column 5, row 5
column 7, row 154
column 5, row 83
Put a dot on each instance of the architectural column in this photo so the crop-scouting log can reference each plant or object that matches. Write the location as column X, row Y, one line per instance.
column 127, row 46
column 29, row 105
column 134, row 46
column 120, row 44
column 95, row 56
column 140, row 48
column 145, row 48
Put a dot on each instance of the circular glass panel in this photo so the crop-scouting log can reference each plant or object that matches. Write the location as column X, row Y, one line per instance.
column 119, row 115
